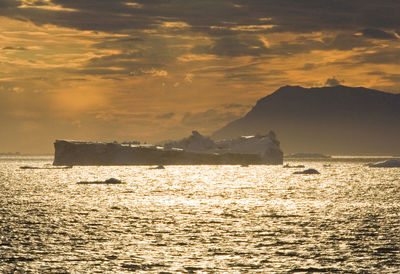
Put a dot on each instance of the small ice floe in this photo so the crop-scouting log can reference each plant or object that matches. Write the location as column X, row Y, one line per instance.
column 158, row 167
column 28, row 167
column 307, row 171
column 387, row 163
column 46, row 167
column 297, row 166
column 111, row 181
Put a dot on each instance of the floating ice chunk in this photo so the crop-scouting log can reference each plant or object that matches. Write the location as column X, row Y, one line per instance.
column 387, row 163
column 307, row 171
column 111, row 181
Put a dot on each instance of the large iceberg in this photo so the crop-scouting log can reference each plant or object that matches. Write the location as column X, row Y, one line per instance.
column 194, row 150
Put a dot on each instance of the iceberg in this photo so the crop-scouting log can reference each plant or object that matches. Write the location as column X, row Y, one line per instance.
column 194, row 150
column 265, row 146
column 111, row 181
column 307, row 171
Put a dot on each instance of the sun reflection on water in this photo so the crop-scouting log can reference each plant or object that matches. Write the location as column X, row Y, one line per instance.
column 199, row 218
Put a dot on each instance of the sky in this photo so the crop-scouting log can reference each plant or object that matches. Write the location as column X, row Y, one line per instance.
column 154, row 70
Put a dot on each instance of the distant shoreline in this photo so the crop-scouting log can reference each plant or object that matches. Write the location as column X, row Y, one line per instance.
column 343, row 157
column 331, row 156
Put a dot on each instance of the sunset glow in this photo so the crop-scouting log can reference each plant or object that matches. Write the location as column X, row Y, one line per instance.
column 151, row 70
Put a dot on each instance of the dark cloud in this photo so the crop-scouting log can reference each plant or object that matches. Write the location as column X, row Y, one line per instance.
column 75, row 80
column 315, row 15
column 9, row 4
column 132, row 64
column 392, row 77
column 165, row 116
column 303, row 44
column 222, row 15
column 147, row 14
column 348, row 42
column 14, row 48
column 331, row 82
column 234, row 46
column 99, row 71
column 378, row 34
column 138, row 55
column 234, row 106
column 299, row 45
column 126, row 43
column 233, row 26
column 246, row 77
column 210, row 118
column 309, row 66
column 378, row 73
column 247, row 73
column 383, row 56
column 237, row 46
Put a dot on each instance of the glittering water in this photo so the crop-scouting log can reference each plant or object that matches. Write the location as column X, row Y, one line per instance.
column 199, row 219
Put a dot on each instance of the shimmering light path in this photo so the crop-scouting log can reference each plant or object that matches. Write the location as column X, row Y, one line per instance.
column 199, row 218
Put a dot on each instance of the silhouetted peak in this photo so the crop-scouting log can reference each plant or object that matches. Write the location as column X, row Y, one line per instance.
column 196, row 133
column 288, row 91
column 330, row 119
column 289, row 88
column 322, row 97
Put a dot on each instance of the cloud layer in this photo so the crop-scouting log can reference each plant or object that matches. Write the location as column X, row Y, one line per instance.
column 156, row 69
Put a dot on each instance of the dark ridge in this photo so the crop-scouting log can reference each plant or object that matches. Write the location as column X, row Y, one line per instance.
column 332, row 120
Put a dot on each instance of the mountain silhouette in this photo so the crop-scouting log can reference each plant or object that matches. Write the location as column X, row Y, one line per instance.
column 334, row 120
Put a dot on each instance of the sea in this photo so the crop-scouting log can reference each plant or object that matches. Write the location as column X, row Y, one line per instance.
column 200, row 219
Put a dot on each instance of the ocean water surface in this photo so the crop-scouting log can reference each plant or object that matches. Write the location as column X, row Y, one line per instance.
column 199, row 219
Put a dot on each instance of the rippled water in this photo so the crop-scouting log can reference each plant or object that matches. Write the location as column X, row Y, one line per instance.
column 199, row 219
